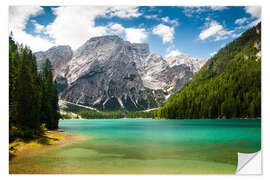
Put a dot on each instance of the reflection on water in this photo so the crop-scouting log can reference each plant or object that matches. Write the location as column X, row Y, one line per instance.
column 150, row 146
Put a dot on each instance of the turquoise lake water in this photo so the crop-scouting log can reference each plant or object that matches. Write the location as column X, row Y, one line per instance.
column 132, row 146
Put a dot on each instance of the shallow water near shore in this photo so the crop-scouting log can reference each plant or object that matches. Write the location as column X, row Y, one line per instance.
column 132, row 146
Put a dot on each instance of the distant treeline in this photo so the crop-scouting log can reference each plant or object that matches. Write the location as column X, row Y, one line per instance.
column 228, row 85
column 33, row 101
column 92, row 114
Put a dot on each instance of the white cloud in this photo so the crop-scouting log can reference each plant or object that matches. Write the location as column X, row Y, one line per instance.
column 18, row 17
column 255, row 12
column 197, row 10
column 73, row 25
column 165, row 32
column 116, row 28
column 193, row 10
column 173, row 53
column 36, row 43
column 154, row 16
column 135, row 35
column 213, row 53
column 236, row 35
column 241, row 20
column 215, row 30
column 218, row 8
column 38, row 27
column 170, row 21
column 254, row 23
column 124, row 12
column 165, row 19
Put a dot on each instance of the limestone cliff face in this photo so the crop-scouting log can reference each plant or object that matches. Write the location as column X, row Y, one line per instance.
column 109, row 73
column 58, row 55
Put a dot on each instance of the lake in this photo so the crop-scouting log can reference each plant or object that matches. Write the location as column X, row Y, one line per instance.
column 132, row 146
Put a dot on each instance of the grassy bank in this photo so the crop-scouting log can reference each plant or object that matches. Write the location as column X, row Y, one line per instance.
column 50, row 139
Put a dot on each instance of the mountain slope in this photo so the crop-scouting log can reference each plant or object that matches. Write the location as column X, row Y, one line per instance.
column 228, row 85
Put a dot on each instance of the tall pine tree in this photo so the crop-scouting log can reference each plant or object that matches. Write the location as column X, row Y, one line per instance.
column 50, row 108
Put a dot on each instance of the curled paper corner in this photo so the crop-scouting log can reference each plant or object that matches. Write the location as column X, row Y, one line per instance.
column 249, row 163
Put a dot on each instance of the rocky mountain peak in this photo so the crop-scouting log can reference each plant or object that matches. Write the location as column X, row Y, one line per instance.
column 58, row 55
column 194, row 63
column 56, row 51
column 142, row 48
column 109, row 73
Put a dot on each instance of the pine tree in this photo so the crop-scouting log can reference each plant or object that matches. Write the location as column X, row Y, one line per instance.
column 50, row 108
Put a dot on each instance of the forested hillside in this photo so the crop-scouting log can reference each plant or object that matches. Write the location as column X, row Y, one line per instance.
column 227, row 86
column 33, row 101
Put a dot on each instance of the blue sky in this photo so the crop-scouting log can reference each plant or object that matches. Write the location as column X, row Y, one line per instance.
column 197, row 31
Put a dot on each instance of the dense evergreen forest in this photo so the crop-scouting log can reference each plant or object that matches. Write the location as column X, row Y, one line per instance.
column 229, row 84
column 33, row 100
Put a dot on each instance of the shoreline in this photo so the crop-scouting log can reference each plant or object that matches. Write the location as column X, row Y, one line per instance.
column 106, row 154
column 51, row 140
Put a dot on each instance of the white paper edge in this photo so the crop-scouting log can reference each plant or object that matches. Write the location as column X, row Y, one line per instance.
column 249, row 164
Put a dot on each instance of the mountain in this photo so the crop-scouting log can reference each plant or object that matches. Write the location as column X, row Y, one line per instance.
column 58, row 56
column 227, row 86
column 194, row 63
column 109, row 73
